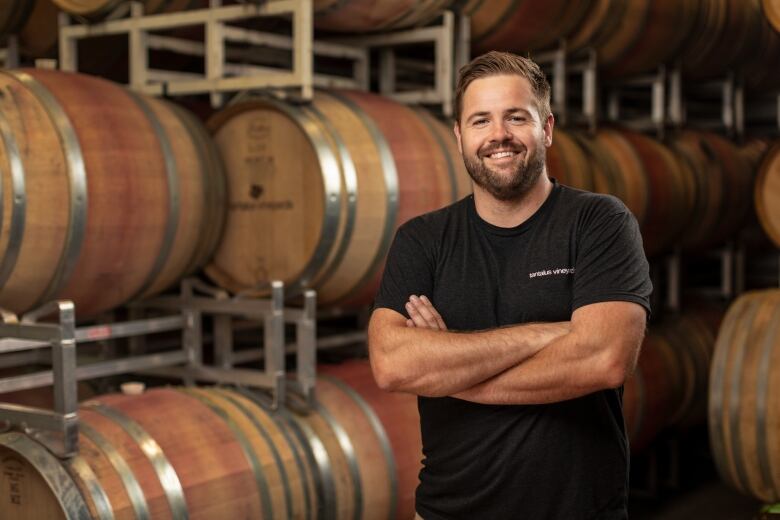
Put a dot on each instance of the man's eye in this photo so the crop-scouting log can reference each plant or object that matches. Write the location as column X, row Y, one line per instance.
column 517, row 119
column 480, row 122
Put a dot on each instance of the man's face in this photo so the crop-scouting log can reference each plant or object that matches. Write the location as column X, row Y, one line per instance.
column 501, row 136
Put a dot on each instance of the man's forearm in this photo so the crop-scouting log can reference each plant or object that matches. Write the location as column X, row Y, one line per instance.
column 566, row 369
column 438, row 363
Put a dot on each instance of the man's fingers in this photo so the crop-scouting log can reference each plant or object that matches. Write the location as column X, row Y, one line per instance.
column 434, row 312
column 417, row 318
column 409, row 323
column 424, row 312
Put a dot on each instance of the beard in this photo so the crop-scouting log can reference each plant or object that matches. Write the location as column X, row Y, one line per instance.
column 506, row 188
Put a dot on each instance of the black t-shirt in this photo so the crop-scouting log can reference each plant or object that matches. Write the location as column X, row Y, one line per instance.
column 566, row 460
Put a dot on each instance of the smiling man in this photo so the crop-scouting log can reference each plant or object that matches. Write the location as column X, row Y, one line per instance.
column 515, row 315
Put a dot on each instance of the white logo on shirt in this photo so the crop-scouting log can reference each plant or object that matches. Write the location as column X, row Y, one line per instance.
column 552, row 272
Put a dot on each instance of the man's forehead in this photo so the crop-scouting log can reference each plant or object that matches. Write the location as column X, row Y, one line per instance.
column 504, row 90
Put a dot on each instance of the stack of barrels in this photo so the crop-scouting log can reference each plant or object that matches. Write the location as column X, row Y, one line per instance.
column 668, row 390
column 224, row 453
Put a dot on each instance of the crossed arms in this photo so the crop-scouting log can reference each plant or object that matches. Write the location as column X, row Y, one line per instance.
column 522, row 364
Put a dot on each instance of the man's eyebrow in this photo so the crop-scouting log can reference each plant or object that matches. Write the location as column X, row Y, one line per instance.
column 477, row 114
column 510, row 110
column 517, row 109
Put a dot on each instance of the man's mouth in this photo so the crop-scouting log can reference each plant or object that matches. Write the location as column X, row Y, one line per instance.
column 501, row 154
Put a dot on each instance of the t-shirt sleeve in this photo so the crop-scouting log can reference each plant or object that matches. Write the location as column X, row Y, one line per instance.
column 409, row 268
column 610, row 263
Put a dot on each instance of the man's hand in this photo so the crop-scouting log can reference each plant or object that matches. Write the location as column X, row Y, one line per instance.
column 423, row 314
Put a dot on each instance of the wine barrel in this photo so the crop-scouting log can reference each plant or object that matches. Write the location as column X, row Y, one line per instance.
column 521, row 26
column 108, row 195
column 771, row 10
column 692, row 342
column 330, row 15
column 316, row 192
column 568, row 163
column 744, row 402
column 605, row 155
column 97, row 9
column 653, row 393
column 722, row 178
column 767, row 194
column 758, row 76
column 382, row 15
column 724, row 35
column 650, row 33
column 397, row 412
column 669, row 188
column 220, row 453
column 34, row 22
column 13, row 15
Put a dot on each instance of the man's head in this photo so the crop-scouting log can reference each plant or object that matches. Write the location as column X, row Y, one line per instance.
column 504, row 123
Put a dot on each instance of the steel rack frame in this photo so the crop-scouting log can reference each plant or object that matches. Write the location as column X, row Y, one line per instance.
column 661, row 99
column 561, row 66
column 57, row 429
column 9, row 55
column 221, row 75
column 451, row 37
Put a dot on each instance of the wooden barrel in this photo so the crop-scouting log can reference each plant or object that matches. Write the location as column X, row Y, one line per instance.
column 723, row 180
column 329, row 15
column 744, row 401
column 382, row 15
column 34, row 22
column 650, row 33
column 219, row 453
column 692, row 341
column 652, row 394
column 97, row 9
column 397, row 412
column 13, row 15
column 316, row 192
column 767, row 194
column 725, row 33
column 568, row 163
column 757, row 74
column 669, row 188
column 771, row 10
column 107, row 195
column 520, row 26
column 617, row 171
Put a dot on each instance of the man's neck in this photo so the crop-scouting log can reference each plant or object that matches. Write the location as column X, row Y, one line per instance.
column 512, row 213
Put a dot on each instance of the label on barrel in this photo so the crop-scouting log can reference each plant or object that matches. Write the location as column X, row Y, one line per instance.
column 13, row 480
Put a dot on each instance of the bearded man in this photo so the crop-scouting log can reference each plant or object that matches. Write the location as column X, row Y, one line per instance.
column 515, row 315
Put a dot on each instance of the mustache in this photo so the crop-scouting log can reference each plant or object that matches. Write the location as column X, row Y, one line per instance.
column 501, row 147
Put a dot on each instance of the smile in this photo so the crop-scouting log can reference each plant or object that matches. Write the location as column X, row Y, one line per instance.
column 502, row 154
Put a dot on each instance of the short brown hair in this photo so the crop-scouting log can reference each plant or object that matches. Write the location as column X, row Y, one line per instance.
column 495, row 63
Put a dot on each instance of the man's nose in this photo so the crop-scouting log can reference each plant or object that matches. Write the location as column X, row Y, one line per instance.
column 500, row 132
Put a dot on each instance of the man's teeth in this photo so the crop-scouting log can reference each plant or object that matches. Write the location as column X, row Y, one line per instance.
column 499, row 155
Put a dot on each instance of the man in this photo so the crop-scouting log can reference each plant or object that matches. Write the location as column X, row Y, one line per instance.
column 548, row 289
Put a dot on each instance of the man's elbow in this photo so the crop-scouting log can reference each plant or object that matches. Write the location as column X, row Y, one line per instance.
column 615, row 370
column 386, row 378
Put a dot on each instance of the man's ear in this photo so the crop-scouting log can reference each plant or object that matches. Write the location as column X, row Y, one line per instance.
column 548, row 130
column 456, row 129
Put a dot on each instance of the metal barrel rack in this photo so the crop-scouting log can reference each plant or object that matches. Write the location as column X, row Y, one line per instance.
column 57, row 429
